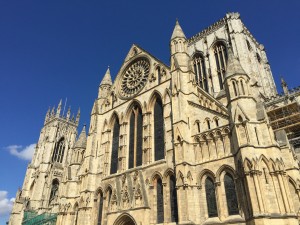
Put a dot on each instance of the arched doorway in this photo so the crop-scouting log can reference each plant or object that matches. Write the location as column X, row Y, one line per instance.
column 125, row 219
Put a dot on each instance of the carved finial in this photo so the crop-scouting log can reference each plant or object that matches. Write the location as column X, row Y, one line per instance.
column 69, row 113
column 284, row 86
column 47, row 115
column 53, row 111
column 58, row 108
column 78, row 116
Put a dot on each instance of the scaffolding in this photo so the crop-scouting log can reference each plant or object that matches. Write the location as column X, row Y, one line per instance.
column 32, row 218
column 287, row 117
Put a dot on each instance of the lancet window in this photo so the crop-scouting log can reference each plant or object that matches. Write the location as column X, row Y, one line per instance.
column 54, row 190
column 211, row 197
column 159, row 137
column 232, row 203
column 220, row 53
column 200, row 71
column 135, row 138
column 115, row 147
column 173, row 199
column 59, row 150
column 159, row 201
column 100, row 209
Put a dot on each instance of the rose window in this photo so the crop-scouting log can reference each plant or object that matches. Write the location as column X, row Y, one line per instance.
column 134, row 78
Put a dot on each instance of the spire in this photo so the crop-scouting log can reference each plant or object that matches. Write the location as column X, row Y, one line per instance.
column 107, row 78
column 177, row 32
column 233, row 65
column 78, row 116
column 284, row 86
column 81, row 141
column 47, row 115
column 59, row 108
column 53, row 111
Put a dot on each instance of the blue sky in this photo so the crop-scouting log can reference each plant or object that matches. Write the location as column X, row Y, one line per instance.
column 52, row 50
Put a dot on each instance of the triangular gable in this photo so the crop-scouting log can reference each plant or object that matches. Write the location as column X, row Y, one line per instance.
column 134, row 53
column 239, row 111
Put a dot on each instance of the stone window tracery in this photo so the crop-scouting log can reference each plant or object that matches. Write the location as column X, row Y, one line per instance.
column 135, row 157
column 220, row 53
column 59, row 150
column 200, row 71
column 134, row 78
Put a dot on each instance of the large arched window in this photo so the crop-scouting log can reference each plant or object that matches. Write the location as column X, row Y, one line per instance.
column 136, row 138
column 159, row 201
column 54, row 190
column 220, row 53
column 211, row 198
column 59, row 150
column 115, row 147
column 200, row 71
column 232, row 203
column 100, row 209
column 159, row 137
column 173, row 199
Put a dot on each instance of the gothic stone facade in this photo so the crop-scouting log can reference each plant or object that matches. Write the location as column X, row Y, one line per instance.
column 188, row 143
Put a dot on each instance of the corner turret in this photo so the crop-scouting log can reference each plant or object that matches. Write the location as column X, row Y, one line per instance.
column 178, row 44
column 105, row 85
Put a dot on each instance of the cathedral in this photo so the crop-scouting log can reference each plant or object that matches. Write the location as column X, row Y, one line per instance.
column 203, row 140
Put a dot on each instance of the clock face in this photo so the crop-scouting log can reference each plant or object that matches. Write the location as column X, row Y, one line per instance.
column 134, row 78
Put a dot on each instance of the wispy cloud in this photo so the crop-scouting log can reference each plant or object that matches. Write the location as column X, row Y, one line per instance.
column 5, row 203
column 22, row 153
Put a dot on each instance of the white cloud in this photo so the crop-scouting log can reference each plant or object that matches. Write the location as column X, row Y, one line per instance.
column 22, row 153
column 5, row 203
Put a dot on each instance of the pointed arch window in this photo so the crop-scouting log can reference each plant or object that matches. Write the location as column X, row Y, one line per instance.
column 200, row 71
column 54, row 190
column 59, row 151
column 232, row 203
column 234, row 88
column 158, row 74
column 208, row 124
column 211, row 197
column 136, row 138
column 109, row 193
column 159, row 201
column 217, row 122
column 100, row 209
column 242, row 87
column 115, row 147
column 220, row 53
column 198, row 126
column 173, row 199
column 159, row 137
